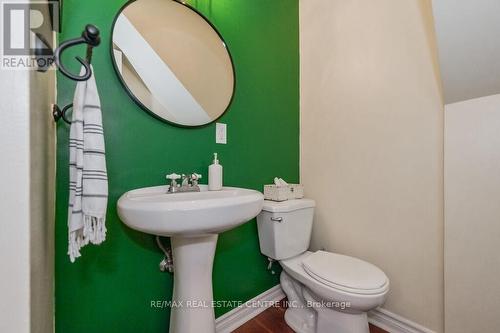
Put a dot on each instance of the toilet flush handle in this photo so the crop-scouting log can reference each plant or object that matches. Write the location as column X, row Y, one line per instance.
column 277, row 219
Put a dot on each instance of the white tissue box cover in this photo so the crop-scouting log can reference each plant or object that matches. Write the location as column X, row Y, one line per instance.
column 283, row 193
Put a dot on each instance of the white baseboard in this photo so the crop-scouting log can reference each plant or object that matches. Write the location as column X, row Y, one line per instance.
column 230, row 321
column 380, row 317
column 394, row 323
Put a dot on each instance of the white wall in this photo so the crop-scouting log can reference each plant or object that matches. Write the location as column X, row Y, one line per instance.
column 27, row 169
column 472, row 223
column 14, row 203
column 372, row 142
column 26, row 202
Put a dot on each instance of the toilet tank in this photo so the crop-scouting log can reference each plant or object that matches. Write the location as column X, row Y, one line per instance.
column 285, row 227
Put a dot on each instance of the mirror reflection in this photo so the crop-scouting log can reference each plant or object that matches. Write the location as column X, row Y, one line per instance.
column 172, row 62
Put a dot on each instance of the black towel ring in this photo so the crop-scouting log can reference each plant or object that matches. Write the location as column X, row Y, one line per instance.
column 57, row 113
column 90, row 36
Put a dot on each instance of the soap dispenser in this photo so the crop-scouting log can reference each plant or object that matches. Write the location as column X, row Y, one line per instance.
column 215, row 175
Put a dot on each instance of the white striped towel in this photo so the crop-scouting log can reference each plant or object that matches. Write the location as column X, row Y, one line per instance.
column 88, row 187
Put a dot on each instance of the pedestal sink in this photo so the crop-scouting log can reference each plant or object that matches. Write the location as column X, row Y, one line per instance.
column 193, row 220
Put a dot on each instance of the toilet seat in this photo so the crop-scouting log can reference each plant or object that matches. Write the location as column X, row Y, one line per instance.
column 345, row 273
column 360, row 300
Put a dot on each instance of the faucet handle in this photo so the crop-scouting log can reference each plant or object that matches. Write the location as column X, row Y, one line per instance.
column 173, row 184
column 173, row 176
column 194, row 179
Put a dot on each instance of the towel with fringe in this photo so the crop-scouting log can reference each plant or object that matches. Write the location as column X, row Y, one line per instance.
column 88, row 187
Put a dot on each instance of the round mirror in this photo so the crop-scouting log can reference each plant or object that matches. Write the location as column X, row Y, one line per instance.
column 172, row 61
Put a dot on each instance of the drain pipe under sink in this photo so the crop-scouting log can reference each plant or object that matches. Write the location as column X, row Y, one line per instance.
column 167, row 264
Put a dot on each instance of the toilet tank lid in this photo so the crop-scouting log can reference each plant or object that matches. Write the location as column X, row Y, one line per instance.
column 288, row 205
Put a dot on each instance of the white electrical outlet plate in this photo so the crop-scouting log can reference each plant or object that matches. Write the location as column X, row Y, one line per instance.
column 220, row 133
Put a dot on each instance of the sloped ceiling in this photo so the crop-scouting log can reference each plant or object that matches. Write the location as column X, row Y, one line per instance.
column 468, row 34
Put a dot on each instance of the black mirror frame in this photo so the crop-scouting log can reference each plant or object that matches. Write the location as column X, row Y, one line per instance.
column 137, row 101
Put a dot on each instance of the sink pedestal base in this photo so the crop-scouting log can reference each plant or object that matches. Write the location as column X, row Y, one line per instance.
column 192, row 310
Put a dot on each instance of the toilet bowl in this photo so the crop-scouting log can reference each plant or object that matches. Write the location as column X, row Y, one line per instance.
column 327, row 292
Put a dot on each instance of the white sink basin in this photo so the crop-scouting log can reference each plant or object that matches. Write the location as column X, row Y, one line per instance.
column 153, row 211
column 193, row 220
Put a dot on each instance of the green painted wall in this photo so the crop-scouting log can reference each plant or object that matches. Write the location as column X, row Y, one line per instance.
column 110, row 288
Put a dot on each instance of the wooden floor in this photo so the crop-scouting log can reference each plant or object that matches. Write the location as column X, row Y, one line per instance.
column 272, row 321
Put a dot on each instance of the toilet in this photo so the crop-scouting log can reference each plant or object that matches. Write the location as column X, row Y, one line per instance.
column 327, row 292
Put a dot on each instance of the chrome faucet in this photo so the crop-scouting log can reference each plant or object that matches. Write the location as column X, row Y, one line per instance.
column 185, row 180
column 189, row 183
